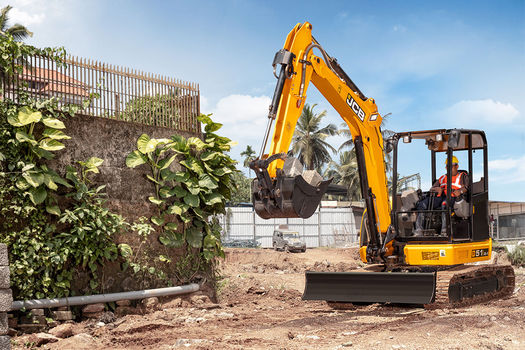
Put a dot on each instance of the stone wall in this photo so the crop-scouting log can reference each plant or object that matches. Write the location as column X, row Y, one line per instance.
column 127, row 189
column 112, row 140
column 6, row 298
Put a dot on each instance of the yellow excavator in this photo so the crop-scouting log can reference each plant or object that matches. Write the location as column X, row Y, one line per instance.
column 434, row 267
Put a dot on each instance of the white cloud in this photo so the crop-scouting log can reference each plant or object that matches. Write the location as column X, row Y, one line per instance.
column 508, row 170
column 244, row 119
column 471, row 113
column 25, row 18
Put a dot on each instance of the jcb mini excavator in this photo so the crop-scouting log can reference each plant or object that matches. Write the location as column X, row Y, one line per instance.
column 434, row 267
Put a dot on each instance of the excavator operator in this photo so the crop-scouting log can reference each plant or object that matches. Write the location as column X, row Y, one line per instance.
column 437, row 198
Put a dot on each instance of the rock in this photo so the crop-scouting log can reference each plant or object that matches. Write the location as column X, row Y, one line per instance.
column 200, row 299
column 125, row 310
column 5, row 342
column 92, row 314
column 4, row 324
column 493, row 318
column 290, row 335
column 82, row 341
column 347, row 344
column 62, row 331
column 44, row 338
column 31, row 328
column 151, row 303
column 6, row 299
column 100, row 324
column 37, row 312
column 92, row 308
column 123, row 302
column 174, row 303
column 62, row 315
column 506, row 318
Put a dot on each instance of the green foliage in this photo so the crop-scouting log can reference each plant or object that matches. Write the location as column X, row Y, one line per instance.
column 188, row 199
column 242, row 193
column 147, row 108
column 49, row 239
column 517, row 256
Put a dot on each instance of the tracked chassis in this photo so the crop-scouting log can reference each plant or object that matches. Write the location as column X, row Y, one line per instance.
column 449, row 287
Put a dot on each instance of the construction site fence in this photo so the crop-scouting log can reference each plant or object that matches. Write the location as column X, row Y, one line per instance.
column 117, row 92
column 327, row 227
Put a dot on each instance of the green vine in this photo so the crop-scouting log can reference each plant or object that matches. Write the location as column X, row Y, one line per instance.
column 55, row 226
column 189, row 198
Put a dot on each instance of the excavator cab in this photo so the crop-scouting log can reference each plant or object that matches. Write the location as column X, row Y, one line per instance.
column 466, row 218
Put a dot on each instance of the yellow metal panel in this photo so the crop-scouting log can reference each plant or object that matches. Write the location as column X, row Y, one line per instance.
column 447, row 254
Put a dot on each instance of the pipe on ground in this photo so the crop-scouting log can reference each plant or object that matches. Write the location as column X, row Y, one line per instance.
column 103, row 298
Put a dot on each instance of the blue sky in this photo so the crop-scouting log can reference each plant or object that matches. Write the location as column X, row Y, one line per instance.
column 431, row 64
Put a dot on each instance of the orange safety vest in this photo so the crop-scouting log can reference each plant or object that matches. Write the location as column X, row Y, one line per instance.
column 456, row 183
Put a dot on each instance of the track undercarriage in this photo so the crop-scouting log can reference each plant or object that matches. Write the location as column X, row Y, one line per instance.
column 434, row 287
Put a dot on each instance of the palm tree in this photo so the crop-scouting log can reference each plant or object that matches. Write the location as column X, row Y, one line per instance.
column 308, row 142
column 249, row 155
column 17, row 31
column 345, row 173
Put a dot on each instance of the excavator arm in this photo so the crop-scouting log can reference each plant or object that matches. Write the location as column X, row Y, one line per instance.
column 276, row 191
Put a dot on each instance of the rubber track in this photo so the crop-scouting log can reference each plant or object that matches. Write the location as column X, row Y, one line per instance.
column 469, row 272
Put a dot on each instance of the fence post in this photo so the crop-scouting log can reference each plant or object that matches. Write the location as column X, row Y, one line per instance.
column 319, row 226
column 253, row 224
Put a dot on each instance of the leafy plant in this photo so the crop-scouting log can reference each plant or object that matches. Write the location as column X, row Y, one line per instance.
column 189, row 198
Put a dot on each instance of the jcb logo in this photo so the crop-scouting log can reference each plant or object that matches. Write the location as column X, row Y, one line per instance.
column 355, row 107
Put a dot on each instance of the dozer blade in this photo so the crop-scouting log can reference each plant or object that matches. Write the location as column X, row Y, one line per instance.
column 292, row 197
column 371, row 287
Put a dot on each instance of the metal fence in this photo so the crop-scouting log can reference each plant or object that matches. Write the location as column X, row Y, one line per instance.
column 328, row 227
column 121, row 93
column 508, row 220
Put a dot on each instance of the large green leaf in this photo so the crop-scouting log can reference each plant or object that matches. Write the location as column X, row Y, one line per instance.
column 155, row 200
column 180, row 192
column 51, row 145
column 194, row 237
column 172, row 239
column 210, row 241
column 145, row 144
column 22, row 184
column 222, row 171
column 34, row 178
column 37, row 195
column 192, row 164
column 27, row 116
column 53, row 123
column 24, row 137
column 212, row 127
column 125, row 250
column 164, row 163
column 213, row 198
column 13, row 120
column 206, row 181
column 53, row 209
column 135, row 159
column 55, row 134
column 166, row 192
column 207, row 156
column 178, row 208
column 192, row 200
column 172, row 226
column 92, row 164
column 48, row 181
column 157, row 220
column 197, row 143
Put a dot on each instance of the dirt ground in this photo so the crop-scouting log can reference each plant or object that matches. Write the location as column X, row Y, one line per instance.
column 259, row 307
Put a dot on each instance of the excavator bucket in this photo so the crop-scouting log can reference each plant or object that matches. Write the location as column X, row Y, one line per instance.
column 293, row 193
column 371, row 287
column 295, row 198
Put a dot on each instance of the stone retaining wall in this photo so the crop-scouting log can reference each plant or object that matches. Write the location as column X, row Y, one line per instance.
column 6, row 298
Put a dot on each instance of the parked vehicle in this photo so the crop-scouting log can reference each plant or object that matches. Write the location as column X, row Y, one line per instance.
column 288, row 240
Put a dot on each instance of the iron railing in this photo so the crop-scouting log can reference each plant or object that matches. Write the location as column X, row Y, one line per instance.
column 117, row 92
